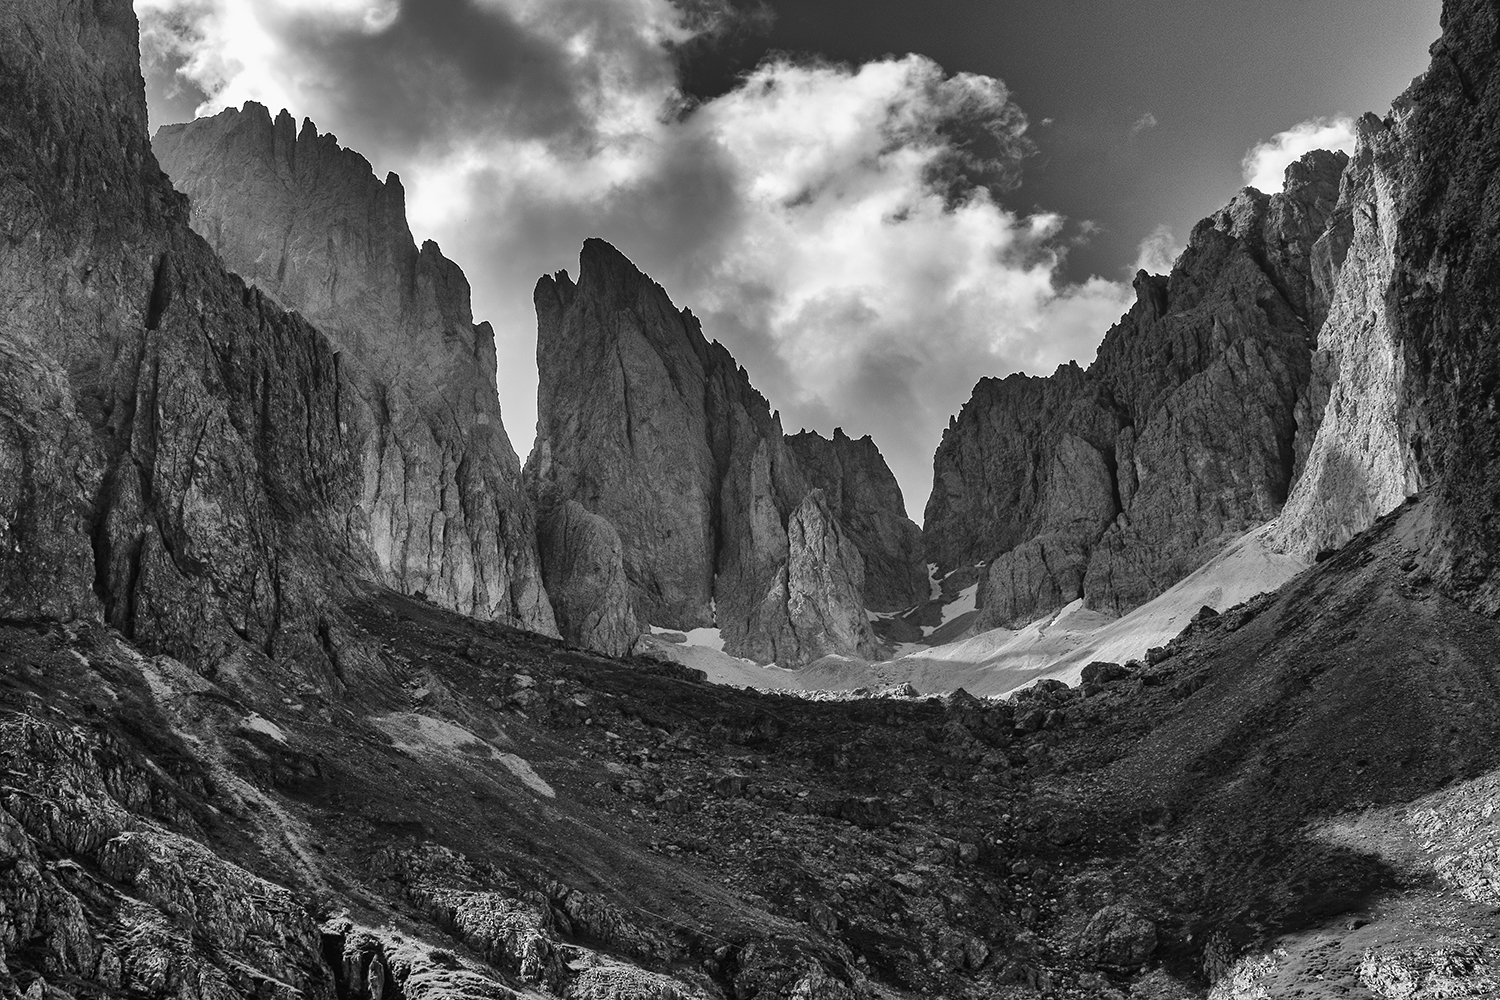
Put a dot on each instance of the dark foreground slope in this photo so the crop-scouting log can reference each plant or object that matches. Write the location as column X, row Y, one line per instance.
column 476, row 810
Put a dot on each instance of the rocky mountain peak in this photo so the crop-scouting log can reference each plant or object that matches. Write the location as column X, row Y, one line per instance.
column 1188, row 428
column 309, row 223
column 864, row 498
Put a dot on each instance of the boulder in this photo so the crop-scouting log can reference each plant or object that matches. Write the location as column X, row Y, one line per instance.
column 1119, row 937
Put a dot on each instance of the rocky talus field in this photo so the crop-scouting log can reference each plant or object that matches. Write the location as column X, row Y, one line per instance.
column 259, row 737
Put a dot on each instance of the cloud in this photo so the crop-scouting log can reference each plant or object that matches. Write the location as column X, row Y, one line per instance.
column 1158, row 251
column 1264, row 165
column 840, row 228
column 1143, row 123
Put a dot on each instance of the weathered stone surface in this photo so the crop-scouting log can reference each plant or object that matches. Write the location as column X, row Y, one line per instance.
column 866, row 501
column 989, row 490
column 1358, row 467
column 1411, row 333
column 813, row 607
column 1118, row 936
column 1114, row 483
column 585, row 575
column 306, row 221
column 645, row 423
column 196, row 446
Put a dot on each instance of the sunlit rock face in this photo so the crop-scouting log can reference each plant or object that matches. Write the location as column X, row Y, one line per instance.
column 645, row 423
column 307, row 222
column 1115, row 482
column 1413, row 365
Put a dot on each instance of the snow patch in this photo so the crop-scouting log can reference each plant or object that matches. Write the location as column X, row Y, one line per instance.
column 522, row 769
column 965, row 602
column 709, row 638
column 259, row 724
column 934, row 585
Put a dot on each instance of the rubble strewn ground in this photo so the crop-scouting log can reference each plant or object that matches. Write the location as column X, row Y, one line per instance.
column 1233, row 812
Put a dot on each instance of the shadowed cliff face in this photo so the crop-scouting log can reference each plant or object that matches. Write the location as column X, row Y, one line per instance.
column 866, row 501
column 646, row 424
column 306, row 221
column 1115, row 482
column 174, row 453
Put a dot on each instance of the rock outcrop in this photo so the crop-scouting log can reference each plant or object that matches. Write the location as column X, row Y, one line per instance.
column 866, row 501
column 306, row 221
column 1415, row 373
column 1115, row 482
column 1358, row 467
column 645, row 423
column 173, row 446
column 586, row 578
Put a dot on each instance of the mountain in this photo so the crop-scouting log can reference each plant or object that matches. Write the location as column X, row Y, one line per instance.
column 646, row 424
column 866, row 500
column 235, row 764
column 1187, row 430
column 176, row 449
column 306, row 222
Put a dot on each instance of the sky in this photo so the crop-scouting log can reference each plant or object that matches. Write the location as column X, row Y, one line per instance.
column 871, row 203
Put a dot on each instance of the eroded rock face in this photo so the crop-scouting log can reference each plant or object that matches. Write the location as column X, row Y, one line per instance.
column 1358, row 466
column 805, row 614
column 173, row 446
column 866, row 501
column 582, row 555
column 1115, row 482
column 645, row 423
column 307, row 222
column 1412, row 343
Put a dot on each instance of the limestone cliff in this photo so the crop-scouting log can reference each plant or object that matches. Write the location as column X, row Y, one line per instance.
column 1115, row 482
column 174, row 453
column 1415, row 370
column 586, row 578
column 1358, row 466
column 866, row 501
column 645, row 423
column 307, row 222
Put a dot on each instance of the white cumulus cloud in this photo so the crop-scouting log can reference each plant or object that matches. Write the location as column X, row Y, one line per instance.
column 1264, row 165
column 1158, row 251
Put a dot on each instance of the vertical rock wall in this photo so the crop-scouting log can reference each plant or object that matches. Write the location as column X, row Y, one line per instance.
column 305, row 220
column 1414, row 403
column 866, row 501
column 173, row 452
column 1115, row 482
column 646, row 424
